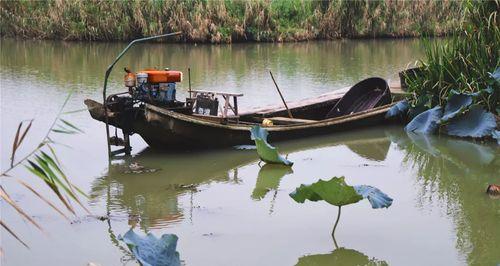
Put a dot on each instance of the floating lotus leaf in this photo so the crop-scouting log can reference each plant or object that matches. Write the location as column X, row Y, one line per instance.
column 476, row 123
column 151, row 251
column 340, row 256
column 456, row 104
column 399, row 109
column 267, row 153
column 426, row 122
column 334, row 191
column 377, row 198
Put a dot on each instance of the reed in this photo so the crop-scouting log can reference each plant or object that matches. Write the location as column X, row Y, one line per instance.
column 464, row 63
column 227, row 21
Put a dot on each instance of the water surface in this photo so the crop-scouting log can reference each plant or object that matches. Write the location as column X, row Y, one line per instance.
column 225, row 208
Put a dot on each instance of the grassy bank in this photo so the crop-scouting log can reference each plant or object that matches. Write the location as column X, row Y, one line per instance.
column 227, row 21
column 465, row 64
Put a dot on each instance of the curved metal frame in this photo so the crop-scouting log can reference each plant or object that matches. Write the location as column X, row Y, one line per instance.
column 108, row 72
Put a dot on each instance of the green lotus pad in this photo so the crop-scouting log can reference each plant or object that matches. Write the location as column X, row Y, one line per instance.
column 266, row 152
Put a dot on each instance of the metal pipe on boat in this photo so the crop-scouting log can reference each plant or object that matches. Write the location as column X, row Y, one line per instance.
column 108, row 72
column 189, row 81
column 281, row 95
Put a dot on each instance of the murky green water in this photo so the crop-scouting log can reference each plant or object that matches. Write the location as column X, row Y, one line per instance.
column 225, row 208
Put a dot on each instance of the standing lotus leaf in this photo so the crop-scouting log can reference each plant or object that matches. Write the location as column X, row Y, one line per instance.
column 496, row 74
column 267, row 153
column 456, row 105
column 426, row 122
column 377, row 198
column 151, row 251
column 399, row 109
column 334, row 191
column 476, row 123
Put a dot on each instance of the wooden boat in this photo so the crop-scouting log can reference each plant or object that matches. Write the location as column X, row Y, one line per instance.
column 166, row 128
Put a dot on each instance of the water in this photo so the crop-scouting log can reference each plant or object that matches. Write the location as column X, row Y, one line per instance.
column 225, row 208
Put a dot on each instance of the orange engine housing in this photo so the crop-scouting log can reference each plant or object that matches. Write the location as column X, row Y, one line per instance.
column 163, row 76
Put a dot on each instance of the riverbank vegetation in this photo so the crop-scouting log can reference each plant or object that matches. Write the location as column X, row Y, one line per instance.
column 467, row 63
column 228, row 21
column 462, row 78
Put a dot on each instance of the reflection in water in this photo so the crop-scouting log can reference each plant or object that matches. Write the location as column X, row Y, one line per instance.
column 449, row 171
column 340, row 256
column 152, row 199
column 457, row 172
column 269, row 179
column 375, row 149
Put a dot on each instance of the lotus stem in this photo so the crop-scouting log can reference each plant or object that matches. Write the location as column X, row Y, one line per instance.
column 335, row 227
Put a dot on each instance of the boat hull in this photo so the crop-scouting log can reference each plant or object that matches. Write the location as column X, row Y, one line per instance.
column 170, row 130
column 164, row 129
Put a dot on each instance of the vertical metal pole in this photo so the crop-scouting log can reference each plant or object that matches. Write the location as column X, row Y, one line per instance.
column 189, row 79
column 108, row 72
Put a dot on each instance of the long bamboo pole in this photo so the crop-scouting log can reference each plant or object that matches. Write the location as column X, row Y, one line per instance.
column 281, row 95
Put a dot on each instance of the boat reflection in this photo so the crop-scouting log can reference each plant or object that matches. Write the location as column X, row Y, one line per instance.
column 150, row 199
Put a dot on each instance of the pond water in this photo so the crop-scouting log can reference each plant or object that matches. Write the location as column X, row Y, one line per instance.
column 223, row 206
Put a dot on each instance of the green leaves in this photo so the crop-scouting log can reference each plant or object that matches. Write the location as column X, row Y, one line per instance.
column 476, row 123
column 66, row 128
column 334, row 191
column 337, row 192
column 46, row 168
column 266, row 152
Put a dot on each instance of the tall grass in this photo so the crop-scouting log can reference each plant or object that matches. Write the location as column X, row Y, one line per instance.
column 465, row 63
column 228, row 20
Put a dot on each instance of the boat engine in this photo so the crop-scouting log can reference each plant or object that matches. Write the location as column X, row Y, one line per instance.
column 153, row 86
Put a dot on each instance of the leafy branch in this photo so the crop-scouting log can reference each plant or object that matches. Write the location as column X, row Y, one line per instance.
column 43, row 162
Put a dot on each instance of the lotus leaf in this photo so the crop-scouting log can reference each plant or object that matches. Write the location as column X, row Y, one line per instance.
column 151, row 251
column 456, row 104
column 496, row 74
column 476, row 123
column 496, row 135
column 334, row 191
column 426, row 122
column 399, row 109
column 377, row 198
column 267, row 153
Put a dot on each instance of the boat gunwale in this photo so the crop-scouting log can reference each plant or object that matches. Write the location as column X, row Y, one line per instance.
column 316, row 124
